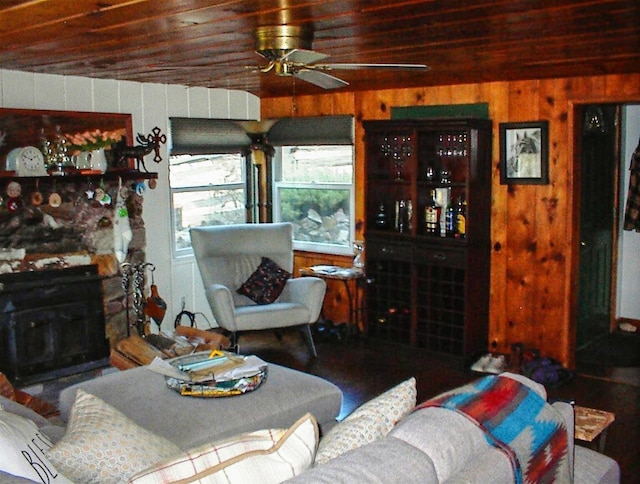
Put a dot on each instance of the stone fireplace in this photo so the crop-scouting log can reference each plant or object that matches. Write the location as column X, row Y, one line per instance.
column 43, row 238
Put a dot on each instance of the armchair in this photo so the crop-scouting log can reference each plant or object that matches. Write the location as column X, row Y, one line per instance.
column 227, row 255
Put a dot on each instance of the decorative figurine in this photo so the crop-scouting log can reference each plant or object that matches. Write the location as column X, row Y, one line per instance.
column 148, row 144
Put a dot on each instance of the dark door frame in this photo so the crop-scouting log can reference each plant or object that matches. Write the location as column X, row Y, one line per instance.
column 575, row 127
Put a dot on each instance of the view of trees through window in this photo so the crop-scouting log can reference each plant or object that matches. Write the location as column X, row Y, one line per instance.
column 313, row 189
column 314, row 192
column 205, row 190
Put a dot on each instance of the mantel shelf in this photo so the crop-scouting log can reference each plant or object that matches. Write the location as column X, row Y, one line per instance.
column 71, row 176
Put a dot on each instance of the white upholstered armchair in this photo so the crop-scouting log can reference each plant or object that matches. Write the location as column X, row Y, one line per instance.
column 228, row 255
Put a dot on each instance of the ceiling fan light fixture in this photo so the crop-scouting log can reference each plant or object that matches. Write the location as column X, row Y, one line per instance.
column 273, row 41
column 284, row 69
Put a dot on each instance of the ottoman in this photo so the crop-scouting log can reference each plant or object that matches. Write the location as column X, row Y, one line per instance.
column 279, row 402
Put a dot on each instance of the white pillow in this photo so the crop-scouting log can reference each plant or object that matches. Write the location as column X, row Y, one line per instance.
column 103, row 445
column 22, row 450
column 371, row 421
column 262, row 457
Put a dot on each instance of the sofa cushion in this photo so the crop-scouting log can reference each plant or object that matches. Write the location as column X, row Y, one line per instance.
column 499, row 410
column 385, row 461
column 266, row 283
column 23, row 448
column 448, row 438
column 265, row 456
column 369, row 422
column 103, row 445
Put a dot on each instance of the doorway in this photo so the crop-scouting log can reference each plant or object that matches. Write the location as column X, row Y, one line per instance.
column 609, row 270
column 599, row 155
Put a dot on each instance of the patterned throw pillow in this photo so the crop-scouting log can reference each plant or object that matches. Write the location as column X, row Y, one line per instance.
column 371, row 421
column 102, row 445
column 264, row 457
column 266, row 283
column 22, row 450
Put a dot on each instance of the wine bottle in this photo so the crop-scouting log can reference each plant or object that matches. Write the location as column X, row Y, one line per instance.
column 432, row 216
column 461, row 218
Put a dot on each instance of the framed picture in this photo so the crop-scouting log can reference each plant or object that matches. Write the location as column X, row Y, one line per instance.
column 524, row 153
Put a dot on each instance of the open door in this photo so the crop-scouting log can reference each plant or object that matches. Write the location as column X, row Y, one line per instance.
column 598, row 173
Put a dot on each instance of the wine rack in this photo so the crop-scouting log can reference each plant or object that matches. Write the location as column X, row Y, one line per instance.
column 428, row 290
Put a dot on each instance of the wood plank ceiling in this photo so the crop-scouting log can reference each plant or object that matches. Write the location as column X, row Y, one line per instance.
column 211, row 43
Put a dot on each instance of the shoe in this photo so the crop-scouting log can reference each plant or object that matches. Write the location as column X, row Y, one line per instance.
column 628, row 327
column 496, row 365
column 482, row 363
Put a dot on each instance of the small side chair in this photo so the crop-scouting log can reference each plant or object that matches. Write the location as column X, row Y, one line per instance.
column 229, row 255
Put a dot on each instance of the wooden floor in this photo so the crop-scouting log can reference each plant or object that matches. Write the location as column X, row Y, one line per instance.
column 364, row 368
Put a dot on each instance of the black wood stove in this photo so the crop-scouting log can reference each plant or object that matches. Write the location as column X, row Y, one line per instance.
column 51, row 323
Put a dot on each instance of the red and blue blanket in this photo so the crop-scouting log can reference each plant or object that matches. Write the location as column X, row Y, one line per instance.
column 516, row 420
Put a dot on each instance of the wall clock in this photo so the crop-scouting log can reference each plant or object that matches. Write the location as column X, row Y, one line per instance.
column 30, row 162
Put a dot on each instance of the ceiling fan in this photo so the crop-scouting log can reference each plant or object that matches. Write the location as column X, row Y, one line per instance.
column 287, row 50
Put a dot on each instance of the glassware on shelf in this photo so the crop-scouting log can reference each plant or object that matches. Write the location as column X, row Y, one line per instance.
column 430, row 173
column 397, row 148
column 358, row 250
column 445, row 177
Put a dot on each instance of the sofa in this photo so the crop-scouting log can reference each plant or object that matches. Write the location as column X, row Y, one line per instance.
column 388, row 439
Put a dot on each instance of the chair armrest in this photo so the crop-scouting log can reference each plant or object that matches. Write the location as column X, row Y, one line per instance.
column 221, row 303
column 308, row 291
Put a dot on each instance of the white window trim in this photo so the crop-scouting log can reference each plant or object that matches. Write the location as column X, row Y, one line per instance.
column 188, row 252
column 316, row 247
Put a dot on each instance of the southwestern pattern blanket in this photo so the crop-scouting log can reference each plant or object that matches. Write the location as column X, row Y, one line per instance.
column 516, row 420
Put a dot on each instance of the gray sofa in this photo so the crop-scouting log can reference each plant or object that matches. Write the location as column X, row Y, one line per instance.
column 436, row 445
column 430, row 445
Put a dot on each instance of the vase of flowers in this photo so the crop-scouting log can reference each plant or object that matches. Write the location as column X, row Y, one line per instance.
column 91, row 146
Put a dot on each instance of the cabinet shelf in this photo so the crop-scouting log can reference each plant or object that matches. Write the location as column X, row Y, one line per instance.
column 426, row 290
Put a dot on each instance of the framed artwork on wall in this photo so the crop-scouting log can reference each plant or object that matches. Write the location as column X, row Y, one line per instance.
column 524, row 153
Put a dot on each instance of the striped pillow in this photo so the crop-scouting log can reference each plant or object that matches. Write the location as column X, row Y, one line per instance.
column 264, row 457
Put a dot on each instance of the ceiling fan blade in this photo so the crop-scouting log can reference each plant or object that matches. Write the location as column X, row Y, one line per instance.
column 303, row 56
column 320, row 79
column 371, row 66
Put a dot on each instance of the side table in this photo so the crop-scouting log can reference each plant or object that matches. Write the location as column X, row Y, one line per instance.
column 592, row 424
column 349, row 276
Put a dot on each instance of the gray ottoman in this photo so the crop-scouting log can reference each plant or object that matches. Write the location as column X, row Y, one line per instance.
column 279, row 402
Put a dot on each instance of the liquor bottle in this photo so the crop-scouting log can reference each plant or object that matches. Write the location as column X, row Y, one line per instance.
column 461, row 218
column 450, row 219
column 432, row 216
column 382, row 221
column 401, row 215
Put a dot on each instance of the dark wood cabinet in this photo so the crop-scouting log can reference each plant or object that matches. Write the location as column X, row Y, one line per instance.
column 429, row 290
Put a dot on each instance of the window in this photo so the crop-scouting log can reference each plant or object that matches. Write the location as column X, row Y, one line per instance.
column 314, row 191
column 205, row 190
column 311, row 178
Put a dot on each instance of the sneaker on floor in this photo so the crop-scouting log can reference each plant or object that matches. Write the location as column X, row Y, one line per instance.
column 628, row 327
column 496, row 365
column 482, row 363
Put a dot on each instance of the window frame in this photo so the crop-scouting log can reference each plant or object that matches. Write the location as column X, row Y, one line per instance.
column 242, row 184
column 277, row 184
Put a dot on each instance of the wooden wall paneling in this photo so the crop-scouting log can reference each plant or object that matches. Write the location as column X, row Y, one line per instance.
column 552, row 219
column 520, row 243
column 497, row 95
column 533, row 234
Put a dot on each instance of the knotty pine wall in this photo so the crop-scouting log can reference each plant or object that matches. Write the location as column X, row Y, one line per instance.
column 534, row 231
